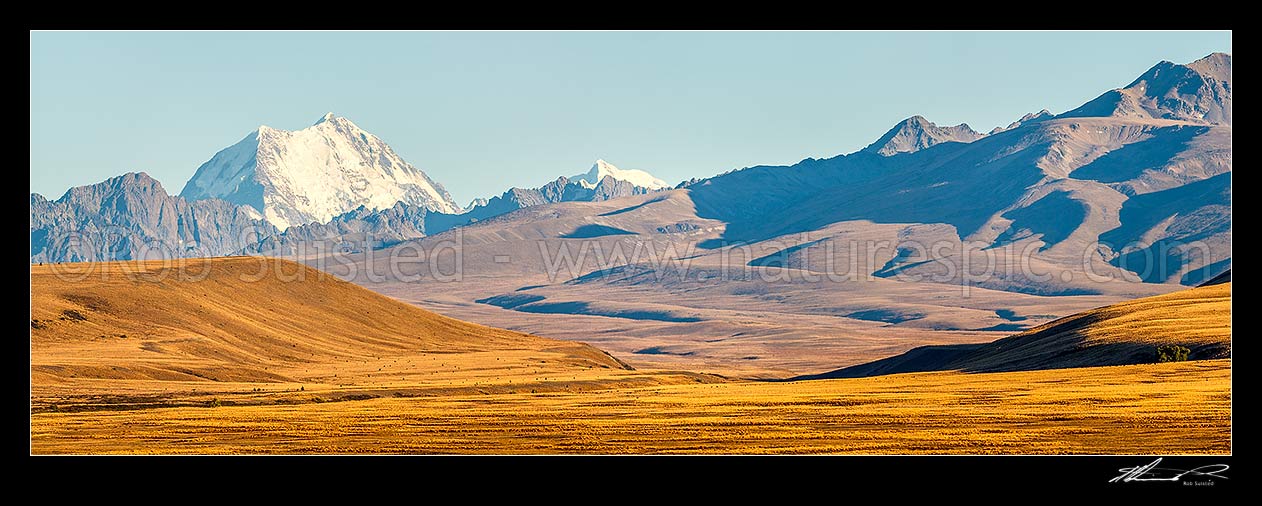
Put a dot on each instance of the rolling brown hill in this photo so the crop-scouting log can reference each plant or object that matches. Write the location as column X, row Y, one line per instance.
column 1120, row 334
column 219, row 325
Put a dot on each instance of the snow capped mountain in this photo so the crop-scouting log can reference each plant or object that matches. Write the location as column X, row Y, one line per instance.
column 601, row 168
column 917, row 133
column 602, row 182
column 1141, row 172
column 314, row 174
column 363, row 228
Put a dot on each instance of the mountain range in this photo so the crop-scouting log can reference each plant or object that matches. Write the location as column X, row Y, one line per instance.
column 1144, row 186
column 363, row 228
column 331, row 185
column 831, row 262
column 1138, row 177
column 132, row 216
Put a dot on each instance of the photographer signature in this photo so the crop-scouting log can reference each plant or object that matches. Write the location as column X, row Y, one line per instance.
column 1151, row 472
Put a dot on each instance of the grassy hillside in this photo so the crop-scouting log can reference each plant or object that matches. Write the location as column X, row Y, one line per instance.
column 1126, row 333
column 230, row 322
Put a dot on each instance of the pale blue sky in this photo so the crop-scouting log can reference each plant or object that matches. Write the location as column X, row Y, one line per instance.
column 483, row 111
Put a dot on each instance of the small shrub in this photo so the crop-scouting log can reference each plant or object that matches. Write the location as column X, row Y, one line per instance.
column 1172, row 353
column 214, row 403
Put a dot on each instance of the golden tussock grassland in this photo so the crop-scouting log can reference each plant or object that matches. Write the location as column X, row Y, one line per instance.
column 253, row 358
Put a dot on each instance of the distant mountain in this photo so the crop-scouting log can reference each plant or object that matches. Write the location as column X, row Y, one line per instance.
column 636, row 177
column 1199, row 92
column 603, row 182
column 1138, row 185
column 1049, row 206
column 1155, row 193
column 364, row 228
column 314, row 174
column 132, row 216
column 1025, row 120
column 353, row 231
column 916, row 133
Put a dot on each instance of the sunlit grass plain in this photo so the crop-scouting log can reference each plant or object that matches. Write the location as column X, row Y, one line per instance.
column 322, row 366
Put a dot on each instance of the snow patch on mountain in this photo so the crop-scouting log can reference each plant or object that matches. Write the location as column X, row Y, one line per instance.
column 601, row 168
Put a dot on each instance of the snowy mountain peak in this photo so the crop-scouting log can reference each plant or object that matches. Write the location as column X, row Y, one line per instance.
column 332, row 120
column 314, row 174
column 601, row 168
column 477, row 202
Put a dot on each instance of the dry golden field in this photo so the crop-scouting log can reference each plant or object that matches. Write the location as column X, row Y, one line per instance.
column 1165, row 408
column 243, row 362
